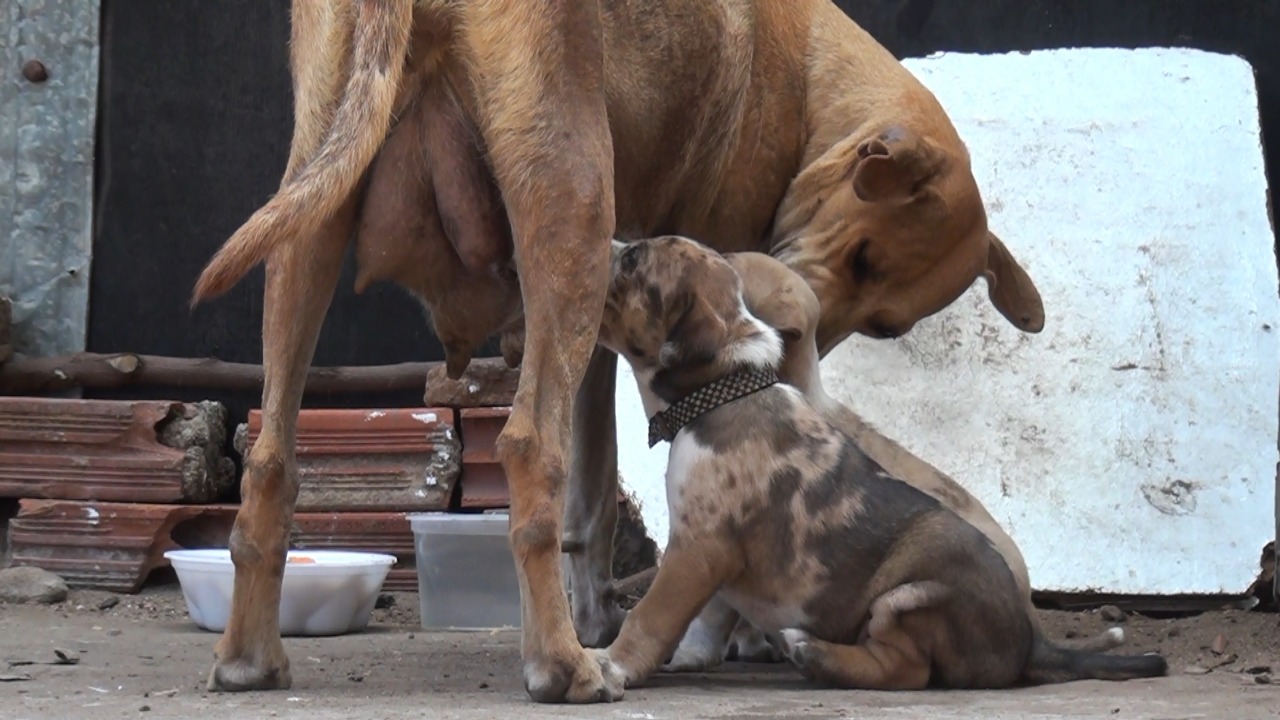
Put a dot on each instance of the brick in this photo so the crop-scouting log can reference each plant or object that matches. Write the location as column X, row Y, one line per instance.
column 484, row 483
column 402, row 459
column 488, row 382
column 109, row 450
column 380, row 532
column 111, row 546
column 483, row 480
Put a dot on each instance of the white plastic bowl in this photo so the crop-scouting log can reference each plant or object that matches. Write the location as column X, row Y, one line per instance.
column 333, row 595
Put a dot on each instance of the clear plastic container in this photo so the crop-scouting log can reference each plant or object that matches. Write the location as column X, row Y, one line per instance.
column 466, row 572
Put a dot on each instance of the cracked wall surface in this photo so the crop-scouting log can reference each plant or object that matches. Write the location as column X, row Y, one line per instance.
column 47, row 118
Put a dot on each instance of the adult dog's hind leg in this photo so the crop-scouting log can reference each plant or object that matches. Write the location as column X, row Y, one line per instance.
column 300, row 282
column 543, row 118
column 591, row 513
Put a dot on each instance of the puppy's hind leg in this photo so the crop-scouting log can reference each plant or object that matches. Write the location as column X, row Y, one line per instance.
column 886, row 658
column 893, row 662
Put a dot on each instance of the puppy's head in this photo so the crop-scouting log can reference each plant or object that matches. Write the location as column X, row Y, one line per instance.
column 675, row 311
column 888, row 228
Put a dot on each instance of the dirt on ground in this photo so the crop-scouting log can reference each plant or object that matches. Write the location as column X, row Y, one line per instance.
column 101, row 655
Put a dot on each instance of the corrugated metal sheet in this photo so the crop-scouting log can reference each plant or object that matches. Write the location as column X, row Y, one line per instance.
column 46, row 169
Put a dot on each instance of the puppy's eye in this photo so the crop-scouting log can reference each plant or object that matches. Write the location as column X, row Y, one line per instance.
column 860, row 263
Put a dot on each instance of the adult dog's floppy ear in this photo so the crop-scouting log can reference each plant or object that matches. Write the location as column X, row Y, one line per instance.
column 893, row 166
column 1011, row 289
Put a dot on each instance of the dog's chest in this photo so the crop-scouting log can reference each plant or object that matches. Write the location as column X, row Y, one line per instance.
column 687, row 461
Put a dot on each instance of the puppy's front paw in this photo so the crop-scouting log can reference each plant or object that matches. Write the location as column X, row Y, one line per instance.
column 615, row 677
column 797, row 648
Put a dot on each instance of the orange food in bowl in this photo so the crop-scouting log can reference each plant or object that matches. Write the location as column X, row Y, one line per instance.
column 299, row 559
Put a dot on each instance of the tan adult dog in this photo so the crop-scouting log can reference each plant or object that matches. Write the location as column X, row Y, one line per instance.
column 540, row 130
column 776, row 514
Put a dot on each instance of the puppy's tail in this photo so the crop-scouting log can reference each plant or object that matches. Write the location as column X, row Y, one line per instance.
column 359, row 126
column 1050, row 663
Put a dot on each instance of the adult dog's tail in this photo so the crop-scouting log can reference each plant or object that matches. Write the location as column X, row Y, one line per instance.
column 1050, row 663
column 360, row 124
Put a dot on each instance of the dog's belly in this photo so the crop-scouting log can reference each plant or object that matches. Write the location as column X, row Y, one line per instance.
column 707, row 130
column 771, row 617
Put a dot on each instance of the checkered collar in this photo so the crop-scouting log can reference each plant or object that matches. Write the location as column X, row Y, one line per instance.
column 739, row 384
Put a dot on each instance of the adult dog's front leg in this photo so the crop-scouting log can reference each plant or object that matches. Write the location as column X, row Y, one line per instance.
column 541, row 97
column 301, row 279
column 591, row 517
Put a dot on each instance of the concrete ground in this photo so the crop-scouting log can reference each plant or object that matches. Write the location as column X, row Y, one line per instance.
column 141, row 658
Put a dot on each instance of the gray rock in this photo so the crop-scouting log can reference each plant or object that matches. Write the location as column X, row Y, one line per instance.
column 31, row 585
column 1111, row 613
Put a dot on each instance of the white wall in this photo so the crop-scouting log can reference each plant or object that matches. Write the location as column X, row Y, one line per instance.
column 1131, row 446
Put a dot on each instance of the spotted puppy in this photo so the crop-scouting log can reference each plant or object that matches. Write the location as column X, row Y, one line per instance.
column 775, row 514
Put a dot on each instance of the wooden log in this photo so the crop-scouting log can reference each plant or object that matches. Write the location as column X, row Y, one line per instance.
column 34, row 376
column 93, row 370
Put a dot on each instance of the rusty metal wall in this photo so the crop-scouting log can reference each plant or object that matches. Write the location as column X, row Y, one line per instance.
column 48, row 103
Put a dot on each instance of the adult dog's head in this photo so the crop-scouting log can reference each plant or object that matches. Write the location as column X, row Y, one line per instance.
column 890, row 228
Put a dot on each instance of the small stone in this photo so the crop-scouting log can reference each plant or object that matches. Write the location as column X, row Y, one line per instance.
column 145, row 708
column 31, row 585
column 14, row 677
column 66, row 657
column 1262, row 679
column 109, row 603
column 355, row 677
column 384, row 601
column 114, row 632
column 1258, row 669
column 1111, row 613
column 1226, row 660
column 1174, row 632
column 1196, row 670
column 1219, row 645
column 484, row 686
column 412, row 636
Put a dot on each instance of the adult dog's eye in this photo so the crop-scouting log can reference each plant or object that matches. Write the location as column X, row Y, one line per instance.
column 861, row 264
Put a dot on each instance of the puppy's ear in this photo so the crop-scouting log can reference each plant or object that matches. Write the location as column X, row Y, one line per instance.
column 698, row 334
column 894, row 166
column 1011, row 289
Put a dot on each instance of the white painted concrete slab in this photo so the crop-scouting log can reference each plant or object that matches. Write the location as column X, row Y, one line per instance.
column 1131, row 446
